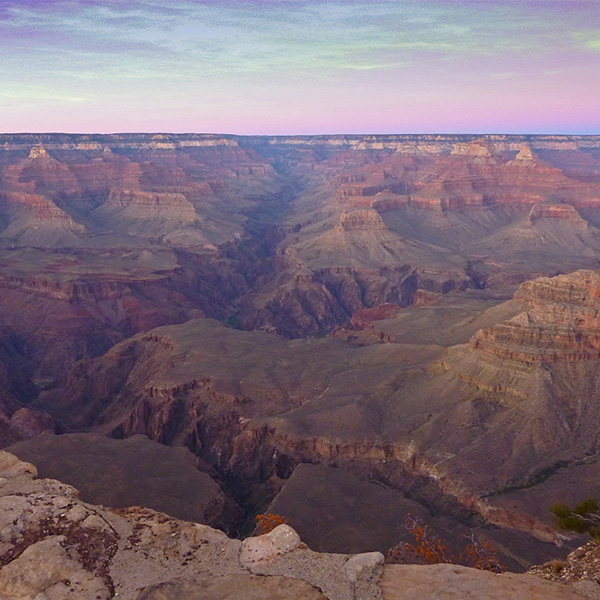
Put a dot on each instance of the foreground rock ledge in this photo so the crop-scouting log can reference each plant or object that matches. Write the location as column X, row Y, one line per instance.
column 54, row 546
column 453, row 582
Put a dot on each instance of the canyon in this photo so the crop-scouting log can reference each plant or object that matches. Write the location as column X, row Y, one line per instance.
column 405, row 324
column 54, row 545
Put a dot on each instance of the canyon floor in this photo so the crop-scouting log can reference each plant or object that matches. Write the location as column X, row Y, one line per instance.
column 340, row 329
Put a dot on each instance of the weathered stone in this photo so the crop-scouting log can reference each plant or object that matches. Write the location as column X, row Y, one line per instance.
column 234, row 587
column 269, row 546
column 45, row 571
column 453, row 582
column 364, row 566
column 587, row 588
column 11, row 466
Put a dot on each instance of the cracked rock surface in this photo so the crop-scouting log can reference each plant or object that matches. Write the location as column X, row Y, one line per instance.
column 53, row 546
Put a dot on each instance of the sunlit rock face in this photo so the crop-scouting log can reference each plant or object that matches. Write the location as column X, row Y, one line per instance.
column 562, row 321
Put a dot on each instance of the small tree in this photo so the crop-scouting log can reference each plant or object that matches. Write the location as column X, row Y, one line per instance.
column 584, row 518
column 480, row 555
column 427, row 547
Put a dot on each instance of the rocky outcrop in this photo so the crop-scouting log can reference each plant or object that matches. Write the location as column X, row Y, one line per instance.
column 524, row 158
column 40, row 207
column 362, row 220
column 131, row 472
column 363, row 318
column 556, row 211
column 580, row 568
column 476, row 148
column 55, row 545
column 38, row 152
column 149, row 205
column 453, row 582
column 561, row 322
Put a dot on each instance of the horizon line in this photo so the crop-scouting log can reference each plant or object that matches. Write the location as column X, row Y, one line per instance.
column 295, row 135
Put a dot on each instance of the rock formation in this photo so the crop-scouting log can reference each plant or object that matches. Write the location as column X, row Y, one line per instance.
column 54, row 545
column 476, row 148
column 131, row 472
column 362, row 220
column 561, row 322
column 556, row 211
column 38, row 152
column 524, row 158
column 291, row 234
column 581, row 568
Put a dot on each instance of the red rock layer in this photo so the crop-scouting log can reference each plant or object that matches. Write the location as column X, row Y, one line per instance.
column 556, row 211
column 365, row 219
column 365, row 317
column 38, row 206
column 146, row 204
column 562, row 322
column 473, row 175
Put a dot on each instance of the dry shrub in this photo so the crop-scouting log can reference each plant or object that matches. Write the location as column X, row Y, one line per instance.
column 267, row 522
column 480, row 555
column 557, row 566
column 428, row 548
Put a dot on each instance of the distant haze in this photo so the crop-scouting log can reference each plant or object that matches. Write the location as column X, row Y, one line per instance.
column 300, row 67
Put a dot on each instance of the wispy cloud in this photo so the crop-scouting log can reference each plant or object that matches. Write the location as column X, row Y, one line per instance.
column 590, row 40
column 247, row 36
column 128, row 51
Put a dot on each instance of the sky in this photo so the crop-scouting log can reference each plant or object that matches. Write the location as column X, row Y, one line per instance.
column 300, row 66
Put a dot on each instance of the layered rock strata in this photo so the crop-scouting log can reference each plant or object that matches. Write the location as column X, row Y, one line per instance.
column 562, row 322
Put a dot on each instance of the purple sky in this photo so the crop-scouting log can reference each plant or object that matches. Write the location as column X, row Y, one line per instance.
column 300, row 67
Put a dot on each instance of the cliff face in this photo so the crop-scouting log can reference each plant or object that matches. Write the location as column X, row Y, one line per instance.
column 254, row 406
column 556, row 211
column 561, row 322
column 102, row 237
column 173, row 204
column 55, row 545
column 287, row 234
column 362, row 220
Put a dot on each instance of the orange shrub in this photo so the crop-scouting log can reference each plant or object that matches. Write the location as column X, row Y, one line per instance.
column 481, row 556
column 267, row 522
column 428, row 548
